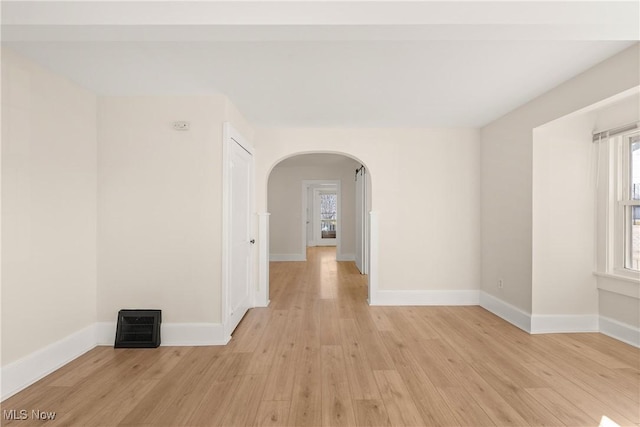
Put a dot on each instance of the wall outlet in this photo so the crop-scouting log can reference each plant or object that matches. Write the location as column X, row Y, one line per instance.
column 500, row 283
column 181, row 125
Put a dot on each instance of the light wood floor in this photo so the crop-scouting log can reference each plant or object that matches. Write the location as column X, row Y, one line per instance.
column 319, row 355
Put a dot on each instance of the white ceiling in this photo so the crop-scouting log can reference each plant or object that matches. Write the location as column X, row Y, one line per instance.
column 342, row 64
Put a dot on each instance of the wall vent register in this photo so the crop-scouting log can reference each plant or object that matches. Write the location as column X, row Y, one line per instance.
column 138, row 329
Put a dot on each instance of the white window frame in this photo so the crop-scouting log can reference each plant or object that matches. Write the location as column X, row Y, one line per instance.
column 620, row 204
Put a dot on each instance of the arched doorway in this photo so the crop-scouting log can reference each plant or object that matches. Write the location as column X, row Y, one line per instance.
column 294, row 182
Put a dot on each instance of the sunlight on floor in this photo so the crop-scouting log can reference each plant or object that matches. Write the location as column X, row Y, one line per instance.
column 608, row 422
column 328, row 273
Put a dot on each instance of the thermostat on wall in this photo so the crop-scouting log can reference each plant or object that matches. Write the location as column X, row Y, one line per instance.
column 181, row 125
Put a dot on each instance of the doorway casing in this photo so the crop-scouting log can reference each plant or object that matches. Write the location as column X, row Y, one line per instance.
column 320, row 184
column 262, row 295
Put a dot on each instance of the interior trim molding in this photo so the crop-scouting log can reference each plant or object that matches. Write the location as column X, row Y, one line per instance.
column 173, row 334
column 563, row 323
column 374, row 249
column 20, row 374
column 506, row 311
column 261, row 296
column 287, row 257
column 346, row 257
column 422, row 297
column 620, row 331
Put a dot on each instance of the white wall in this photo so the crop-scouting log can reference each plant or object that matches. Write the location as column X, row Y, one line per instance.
column 285, row 206
column 48, row 208
column 508, row 169
column 563, row 219
column 425, row 187
column 159, row 206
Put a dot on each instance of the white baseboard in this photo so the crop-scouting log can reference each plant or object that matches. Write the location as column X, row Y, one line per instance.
column 173, row 334
column 419, row 297
column 558, row 324
column 346, row 257
column 257, row 304
column 539, row 323
column 620, row 331
column 506, row 311
column 23, row 372
column 287, row 257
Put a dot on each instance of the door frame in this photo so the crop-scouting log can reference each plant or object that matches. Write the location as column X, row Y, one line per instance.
column 313, row 184
column 362, row 220
column 231, row 135
column 317, row 220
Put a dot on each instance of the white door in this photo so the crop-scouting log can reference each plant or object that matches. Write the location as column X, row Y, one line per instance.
column 240, row 239
column 326, row 216
column 361, row 221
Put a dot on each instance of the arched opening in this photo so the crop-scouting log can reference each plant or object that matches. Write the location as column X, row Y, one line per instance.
column 319, row 199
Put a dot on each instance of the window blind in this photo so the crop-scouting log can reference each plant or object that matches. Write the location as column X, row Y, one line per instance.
column 601, row 136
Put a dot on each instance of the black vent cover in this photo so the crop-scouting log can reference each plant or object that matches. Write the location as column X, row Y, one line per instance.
column 138, row 329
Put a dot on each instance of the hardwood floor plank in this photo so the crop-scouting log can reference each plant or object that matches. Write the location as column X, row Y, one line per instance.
column 489, row 399
column 626, row 354
column 423, row 329
column 587, row 402
column 281, row 374
column 262, row 357
column 380, row 319
column 218, row 386
column 511, row 390
column 432, row 407
column 439, row 362
column 371, row 413
column 272, row 413
column 361, row 380
column 337, row 407
column 593, row 354
column 247, row 334
column 242, row 406
column 306, row 403
column 330, row 329
column 173, row 398
column 80, row 368
column 111, row 391
column 119, row 402
column 562, row 408
column 376, row 352
column 400, row 407
column 465, row 409
column 596, row 381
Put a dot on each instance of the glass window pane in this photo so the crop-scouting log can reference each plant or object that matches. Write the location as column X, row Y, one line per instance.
column 635, row 169
column 328, row 215
column 634, row 243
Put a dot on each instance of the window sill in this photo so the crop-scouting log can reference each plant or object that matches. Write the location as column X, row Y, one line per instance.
column 619, row 284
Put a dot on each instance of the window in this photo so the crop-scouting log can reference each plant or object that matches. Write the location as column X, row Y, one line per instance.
column 617, row 172
column 328, row 215
column 624, row 209
column 630, row 201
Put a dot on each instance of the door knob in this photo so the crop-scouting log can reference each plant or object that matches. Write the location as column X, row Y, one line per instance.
column 252, row 241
